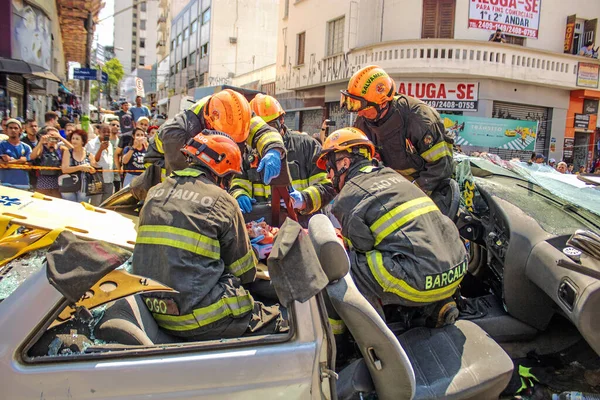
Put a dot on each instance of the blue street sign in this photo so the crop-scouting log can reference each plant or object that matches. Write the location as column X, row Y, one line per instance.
column 88, row 74
column 104, row 77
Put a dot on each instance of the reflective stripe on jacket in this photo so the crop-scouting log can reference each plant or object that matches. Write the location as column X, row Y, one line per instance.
column 403, row 249
column 175, row 132
column 192, row 237
column 411, row 139
column 302, row 150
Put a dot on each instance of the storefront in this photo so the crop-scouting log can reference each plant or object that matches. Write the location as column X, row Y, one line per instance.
column 580, row 142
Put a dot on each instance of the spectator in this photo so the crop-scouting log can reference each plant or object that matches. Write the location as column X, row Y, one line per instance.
column 4, row 119
column 562, row 167
column 78, row 160
column 581, row 170
column 31, row 138
column 540, row 159
column 125, row 118
column 51, row 119
column 102, row 151
column 133, row 156
column 588, row 50
column 12, row 151
column 69, row 128
column 143, row 122
column 114, row 142
column 552, row 162
column 139, row 110
column 152, row 130
column 498, row 37
column 47, row 153
column 570, row 169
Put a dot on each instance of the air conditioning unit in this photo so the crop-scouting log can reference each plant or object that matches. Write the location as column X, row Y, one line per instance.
column 232, row 40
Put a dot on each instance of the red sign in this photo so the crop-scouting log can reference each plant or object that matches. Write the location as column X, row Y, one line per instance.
column 448, row 96
column 514, row 17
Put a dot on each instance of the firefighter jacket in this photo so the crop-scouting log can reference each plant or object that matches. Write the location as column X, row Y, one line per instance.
column 192, row 237
column 175, row 133
column 302, row 150
column 403, row 250
column 411, row 139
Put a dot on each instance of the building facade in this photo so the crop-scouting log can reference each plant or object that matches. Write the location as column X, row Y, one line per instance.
column 439, row 51
column 136, row 33
column 216, row 43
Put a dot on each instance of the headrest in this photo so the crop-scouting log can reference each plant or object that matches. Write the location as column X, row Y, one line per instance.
column 332, row 255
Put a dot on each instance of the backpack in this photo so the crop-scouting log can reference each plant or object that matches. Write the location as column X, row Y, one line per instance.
column 50, row 159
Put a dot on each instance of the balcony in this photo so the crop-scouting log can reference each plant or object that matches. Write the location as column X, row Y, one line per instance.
column 444, row 58
column 160, row 43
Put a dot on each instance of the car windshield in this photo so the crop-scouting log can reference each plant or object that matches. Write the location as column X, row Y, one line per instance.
column 566, row 187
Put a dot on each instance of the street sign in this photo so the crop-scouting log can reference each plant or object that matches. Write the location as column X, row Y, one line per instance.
column 85, row 74
column 104, row 77
column 139, row 87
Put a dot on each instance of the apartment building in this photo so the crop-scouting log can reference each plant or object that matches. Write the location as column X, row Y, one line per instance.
column 167, row 9
column 225, row 42
column 439, row 51
column 135, row 33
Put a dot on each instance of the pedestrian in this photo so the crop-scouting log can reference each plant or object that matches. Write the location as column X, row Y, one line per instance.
column 133, row 156
column 192, row 237
column 497, row 37
column 227, row 111
column 540, row 159
column 102, row 151
column 562, row 167
column 581, row 170
column 115, row 132
column 3, row 124
column 408, row 134
column 79, row 161
column 139, row 110
column 552, row 162
column 51, row 119
column 31, row 138
column 403, row 250
column 570, row 169
column 152, row 130
column 143, row 122
column 125, row 118
column 47, row 154
column 69, row 128
column 14, row 152
column 312, row 191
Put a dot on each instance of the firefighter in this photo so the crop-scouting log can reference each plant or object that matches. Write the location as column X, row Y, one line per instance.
column 312, row 190
column 409, row 135
column 403, row 250
column 192, row 237
column 227, row 111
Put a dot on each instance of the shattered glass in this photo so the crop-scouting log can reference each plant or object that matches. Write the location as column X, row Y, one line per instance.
column 13, row 274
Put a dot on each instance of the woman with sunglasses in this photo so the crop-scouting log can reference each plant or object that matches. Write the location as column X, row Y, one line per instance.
column 408, row 134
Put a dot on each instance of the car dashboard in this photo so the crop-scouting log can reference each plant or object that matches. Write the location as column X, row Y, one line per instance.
column 525, row 231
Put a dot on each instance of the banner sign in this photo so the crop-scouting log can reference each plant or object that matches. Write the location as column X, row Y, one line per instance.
column 139, row 87
column 569, row 32
column 568, row 148
column 446, row 96
column 514, row 17
column 582, row 121
column 498, row 133
column 587, row 75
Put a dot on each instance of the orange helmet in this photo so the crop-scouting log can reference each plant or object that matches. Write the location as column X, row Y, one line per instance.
column 228, row 111
column 369, row 86
column 266, row 107
column 215, row 150
column 345, row 139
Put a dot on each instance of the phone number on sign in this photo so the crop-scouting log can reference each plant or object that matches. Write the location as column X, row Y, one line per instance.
column 452, row 105
column 508, row 29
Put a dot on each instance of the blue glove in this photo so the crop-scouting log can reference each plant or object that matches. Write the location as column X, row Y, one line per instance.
column 245, row 203
column 299, row 203
column 271, row 163
column 262, row 250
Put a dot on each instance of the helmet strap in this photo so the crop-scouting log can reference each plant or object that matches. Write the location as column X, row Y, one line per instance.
column 337, row 174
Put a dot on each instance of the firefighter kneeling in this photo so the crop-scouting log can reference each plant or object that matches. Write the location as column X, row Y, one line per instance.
column 192, row 237
column 403, row 250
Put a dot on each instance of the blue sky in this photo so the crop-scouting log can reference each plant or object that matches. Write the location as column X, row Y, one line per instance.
column 105, row 29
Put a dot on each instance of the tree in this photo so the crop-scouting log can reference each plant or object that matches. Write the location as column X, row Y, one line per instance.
column 114, row 69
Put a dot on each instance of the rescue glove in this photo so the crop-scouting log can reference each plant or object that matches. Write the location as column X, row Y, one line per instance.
column 271, row 164
column 262, row 250
column 299, row 203
column 245, row 203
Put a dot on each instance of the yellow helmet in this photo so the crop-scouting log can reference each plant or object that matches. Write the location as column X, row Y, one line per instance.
column 266, row 107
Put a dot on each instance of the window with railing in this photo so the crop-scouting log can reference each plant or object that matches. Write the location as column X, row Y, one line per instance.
column 335, row 36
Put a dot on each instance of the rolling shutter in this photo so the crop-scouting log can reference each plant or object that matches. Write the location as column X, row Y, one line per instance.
column 438, row 19
column 524, row 113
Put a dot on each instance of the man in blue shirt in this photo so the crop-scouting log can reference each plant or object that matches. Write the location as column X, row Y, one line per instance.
column 139, row 110
column 12, row 151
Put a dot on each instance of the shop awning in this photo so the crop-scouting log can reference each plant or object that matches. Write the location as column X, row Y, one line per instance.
column 43, row 75
column 18, row 67
column 64, row 89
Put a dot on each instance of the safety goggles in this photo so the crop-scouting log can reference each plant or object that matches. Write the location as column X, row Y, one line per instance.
column 331, row 163
column 353, row 103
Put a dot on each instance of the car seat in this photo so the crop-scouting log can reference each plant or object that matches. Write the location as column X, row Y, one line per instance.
column 454, row 362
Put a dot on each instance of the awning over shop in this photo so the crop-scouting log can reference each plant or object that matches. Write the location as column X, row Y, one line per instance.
column 18, row 67
column 64, row 89
column 43, row 75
